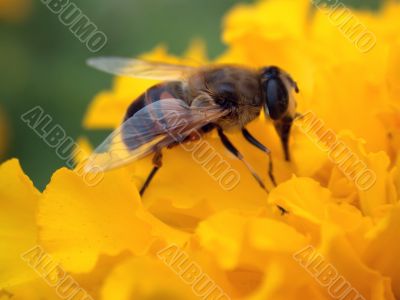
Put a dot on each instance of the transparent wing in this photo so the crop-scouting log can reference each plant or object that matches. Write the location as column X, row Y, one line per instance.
column 140, row 68
column 155, row 126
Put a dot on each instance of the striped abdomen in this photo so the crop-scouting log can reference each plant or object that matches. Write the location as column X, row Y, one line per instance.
column 132, row 132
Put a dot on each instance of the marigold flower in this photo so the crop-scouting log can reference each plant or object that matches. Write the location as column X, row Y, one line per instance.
column 338, row 239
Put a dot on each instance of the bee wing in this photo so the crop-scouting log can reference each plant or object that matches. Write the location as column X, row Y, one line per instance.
column 157, row 125
column 140, row 68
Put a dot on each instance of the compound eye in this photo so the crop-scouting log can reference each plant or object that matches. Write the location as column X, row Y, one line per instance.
column 277, row 98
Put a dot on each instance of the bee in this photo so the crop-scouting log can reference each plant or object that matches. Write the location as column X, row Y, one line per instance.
column 189, row 103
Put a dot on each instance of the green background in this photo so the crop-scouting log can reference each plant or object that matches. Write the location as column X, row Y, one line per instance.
column 42, row 63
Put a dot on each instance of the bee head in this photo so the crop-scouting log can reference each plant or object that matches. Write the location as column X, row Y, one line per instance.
column 277, row 85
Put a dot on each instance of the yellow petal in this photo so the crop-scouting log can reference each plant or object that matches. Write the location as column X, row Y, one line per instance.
column 78, row 222
column 265, row 20
column 82, row 150
column 241, row 241
column 382, row 252
column 36, row 289
column 302, row 197
column 106, row 111
column 18, row 204
column 131, row 280
column 338, row 255
column 276, row 285
column 374, row 194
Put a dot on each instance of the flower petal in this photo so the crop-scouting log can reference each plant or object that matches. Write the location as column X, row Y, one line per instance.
column 18, row 204
column 382, row 252
column 78, row 222
column 126, row 281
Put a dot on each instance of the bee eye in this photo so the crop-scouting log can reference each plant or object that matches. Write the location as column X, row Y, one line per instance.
column 277, row 98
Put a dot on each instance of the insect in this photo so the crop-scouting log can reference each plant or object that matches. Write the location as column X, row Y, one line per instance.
column 191, row 102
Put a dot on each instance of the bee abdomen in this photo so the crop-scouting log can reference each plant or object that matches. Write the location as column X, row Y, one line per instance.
column 158, row 92
column 132, row 133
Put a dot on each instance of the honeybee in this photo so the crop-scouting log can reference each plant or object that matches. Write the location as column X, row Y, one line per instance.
column 190, row 102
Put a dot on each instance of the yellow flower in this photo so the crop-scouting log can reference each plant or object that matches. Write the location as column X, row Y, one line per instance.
column 187, row 237
column 19, row 200
column 18, row 205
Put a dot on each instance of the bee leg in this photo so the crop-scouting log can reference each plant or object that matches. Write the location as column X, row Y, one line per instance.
column 294, row 85
column 282, row 210
column 157, row 161
column 283, row 128
column 252, row 140
column 228, row 144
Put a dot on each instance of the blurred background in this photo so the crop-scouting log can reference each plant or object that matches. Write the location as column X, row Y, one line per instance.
column 43, row 63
